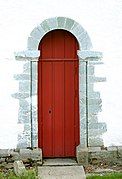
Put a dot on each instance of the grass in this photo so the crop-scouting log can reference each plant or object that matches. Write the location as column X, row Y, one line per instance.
column 106, row 176
column 30, row 174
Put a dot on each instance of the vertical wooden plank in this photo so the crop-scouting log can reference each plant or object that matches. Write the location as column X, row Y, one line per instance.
column 58, row 44
column 46, row 46
column 76, row 105
column 71, row 46
column 69, row 109
column 58, row 109
column 47, row 108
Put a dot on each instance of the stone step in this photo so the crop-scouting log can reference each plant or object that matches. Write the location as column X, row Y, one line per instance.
column 60, row 162
column 61, row 172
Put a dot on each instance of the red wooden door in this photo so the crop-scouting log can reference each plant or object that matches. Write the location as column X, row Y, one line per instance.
column 58, row 100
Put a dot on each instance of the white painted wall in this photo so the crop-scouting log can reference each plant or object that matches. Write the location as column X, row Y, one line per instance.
column 103, row 21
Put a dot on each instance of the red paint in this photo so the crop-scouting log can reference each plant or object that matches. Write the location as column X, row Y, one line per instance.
column 58, row 100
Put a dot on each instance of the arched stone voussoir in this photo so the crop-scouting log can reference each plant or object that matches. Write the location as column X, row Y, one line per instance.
column 59, row 23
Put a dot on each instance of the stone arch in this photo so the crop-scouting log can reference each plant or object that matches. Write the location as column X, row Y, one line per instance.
column 59, row 23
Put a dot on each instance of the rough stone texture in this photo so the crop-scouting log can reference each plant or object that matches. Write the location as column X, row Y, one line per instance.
column 4, row 153
column 82, row 155
column 99, row 155
column 19, row 168
column 62, row 172
column 89, row 55
column 27, row 95
column 59, row 162
column 119, row 152
column 28, row 156
column 59, row 23
column 33, row 54
column 90, row 103
column 91, row 155
column 94, row 149
column 104, row 157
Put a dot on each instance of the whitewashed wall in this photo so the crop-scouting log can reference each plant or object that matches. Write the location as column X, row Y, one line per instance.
column 101, row 19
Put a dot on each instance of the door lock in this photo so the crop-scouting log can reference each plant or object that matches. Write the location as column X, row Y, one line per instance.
column 49, row 111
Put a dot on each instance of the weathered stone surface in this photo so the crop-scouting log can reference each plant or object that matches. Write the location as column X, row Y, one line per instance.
column 23, row 103
column 61, row 22
column 24, row 119
column 78, row 30
column 29, row 156
column 37, row 34
column 52, row 22
column 119, row 149
column 22, row 77
column 95, row 141
column 59, row 162
column 9, row 159
column 25, row 153
column 45, row 26
column 112, row 148
column 94, row 109
column 82, row 155
column 27, row 53
column 22, row 141
column 94, row 101
column 93, row 124
column 32, row 43
column 85, row 42
column 90, row 55
column 99, row 79
column 23, row 111
column 3, row 165
column 61, row 172
column 42, row 32
column 69, row 23
column 4, row 152
column 9, row 166
column 15, row 155
column 19, row 168
column 94, row 149
column 104, row 157
column 93, row 79
column 95, row 132
column 93, row 95
column 36, row 154
column 2, row 160
column 26, row 68
column 24, row 87
column 20, row 95
column 96, row 62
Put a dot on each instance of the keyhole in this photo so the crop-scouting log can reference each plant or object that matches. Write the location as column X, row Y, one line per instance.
column 49, row 111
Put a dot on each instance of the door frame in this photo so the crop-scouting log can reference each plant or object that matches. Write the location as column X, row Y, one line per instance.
column 84, row 44
column 87, row 96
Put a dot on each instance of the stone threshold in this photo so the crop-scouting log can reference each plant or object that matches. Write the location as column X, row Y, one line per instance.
column 60, row 162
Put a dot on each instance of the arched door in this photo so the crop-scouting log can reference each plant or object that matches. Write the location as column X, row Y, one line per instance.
column 58, row 95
